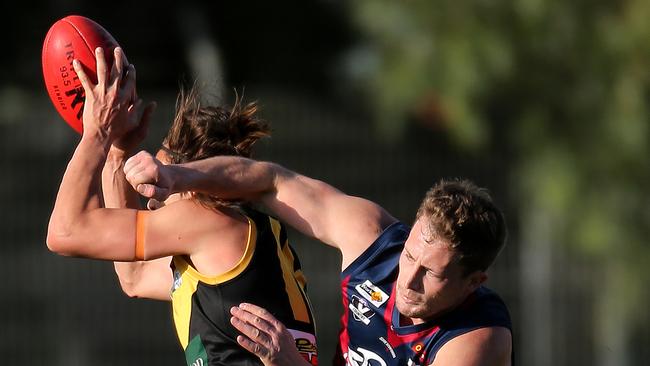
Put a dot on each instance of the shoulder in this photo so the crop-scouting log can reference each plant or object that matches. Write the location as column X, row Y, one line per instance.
column 476, row 333
column 485, row 308
column 482, row 308
column 383, row 252
column 483, row 346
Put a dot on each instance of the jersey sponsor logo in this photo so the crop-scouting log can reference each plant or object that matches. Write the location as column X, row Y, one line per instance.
column 306, row 345
column 363, row 357
column 372, row 293
column 195, row 353
column 360, row 310
column 388, row 346
column 178, row 281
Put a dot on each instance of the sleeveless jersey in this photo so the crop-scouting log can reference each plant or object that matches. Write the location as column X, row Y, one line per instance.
column 371, row 334
column 267, row 275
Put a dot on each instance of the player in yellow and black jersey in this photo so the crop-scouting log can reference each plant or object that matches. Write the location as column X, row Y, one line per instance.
column 211, row 252
column 268, row 274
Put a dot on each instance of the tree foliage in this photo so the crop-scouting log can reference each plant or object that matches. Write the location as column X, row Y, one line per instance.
column 562, row 86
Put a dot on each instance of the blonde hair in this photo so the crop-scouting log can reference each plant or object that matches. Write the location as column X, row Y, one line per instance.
column 464, row 216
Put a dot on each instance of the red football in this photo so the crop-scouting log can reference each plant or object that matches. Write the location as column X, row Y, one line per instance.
column 73, row 37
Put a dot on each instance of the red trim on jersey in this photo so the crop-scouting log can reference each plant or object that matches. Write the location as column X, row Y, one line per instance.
column 396, row 340
column 344, row 336
column 388, row 313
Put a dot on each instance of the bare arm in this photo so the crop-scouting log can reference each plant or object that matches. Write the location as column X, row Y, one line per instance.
column 116, row 190
column 311, row 206
column 146, row 279
column 79, row 225
column 490, row 346
column 77, row 209
column 78, row 219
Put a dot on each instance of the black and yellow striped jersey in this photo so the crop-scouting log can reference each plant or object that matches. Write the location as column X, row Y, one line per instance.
column 267, row 275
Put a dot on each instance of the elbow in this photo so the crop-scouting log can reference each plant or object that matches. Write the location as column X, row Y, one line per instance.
column 133, row 291
column 59, row 240
column 127, row 275
column 129, row 290
column 56, row 243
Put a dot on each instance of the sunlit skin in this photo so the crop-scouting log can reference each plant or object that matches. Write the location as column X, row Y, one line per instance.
column 430, row 281
column 153, row 204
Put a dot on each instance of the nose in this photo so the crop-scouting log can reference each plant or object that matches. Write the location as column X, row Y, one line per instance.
column 412, row 278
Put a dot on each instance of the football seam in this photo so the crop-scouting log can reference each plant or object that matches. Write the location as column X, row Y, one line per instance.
column 92, row 52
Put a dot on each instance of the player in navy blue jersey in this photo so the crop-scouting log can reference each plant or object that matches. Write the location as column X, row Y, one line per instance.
column 411, row 295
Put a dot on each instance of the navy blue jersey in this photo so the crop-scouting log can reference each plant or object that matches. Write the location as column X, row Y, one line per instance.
column 371, row 334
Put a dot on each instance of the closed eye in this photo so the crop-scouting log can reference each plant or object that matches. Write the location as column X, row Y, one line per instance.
column 431, row 273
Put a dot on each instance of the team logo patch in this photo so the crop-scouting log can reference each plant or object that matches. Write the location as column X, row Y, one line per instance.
column 360, row 310
column 195, row 353
column 372, row 293
column 306, row 345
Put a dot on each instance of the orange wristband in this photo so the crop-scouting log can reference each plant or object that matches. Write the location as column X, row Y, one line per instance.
column 140, row 220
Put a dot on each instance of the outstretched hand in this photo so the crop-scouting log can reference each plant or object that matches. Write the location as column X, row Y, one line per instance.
column 106, row 110
column 148, row 176
column 265, row 336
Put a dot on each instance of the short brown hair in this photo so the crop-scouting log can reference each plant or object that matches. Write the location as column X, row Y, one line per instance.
column 202, row 131
column 464, row 216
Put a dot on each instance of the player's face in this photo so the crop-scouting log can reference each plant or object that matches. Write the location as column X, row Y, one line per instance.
column 430, row 281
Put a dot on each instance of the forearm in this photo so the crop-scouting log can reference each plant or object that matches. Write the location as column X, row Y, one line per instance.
column 310, row 206
column 227, row 177
column 79, row 191
column 79, row 225
column 117, row 192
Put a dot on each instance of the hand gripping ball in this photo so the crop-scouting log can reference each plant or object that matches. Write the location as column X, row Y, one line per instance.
column 73, row 37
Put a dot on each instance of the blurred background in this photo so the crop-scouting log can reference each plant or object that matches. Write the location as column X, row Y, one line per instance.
column 544, row 102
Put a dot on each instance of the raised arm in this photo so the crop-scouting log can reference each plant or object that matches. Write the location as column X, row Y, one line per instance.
column 311, row 206
column 79, row 225
column 147, row 279
column 79, row 196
